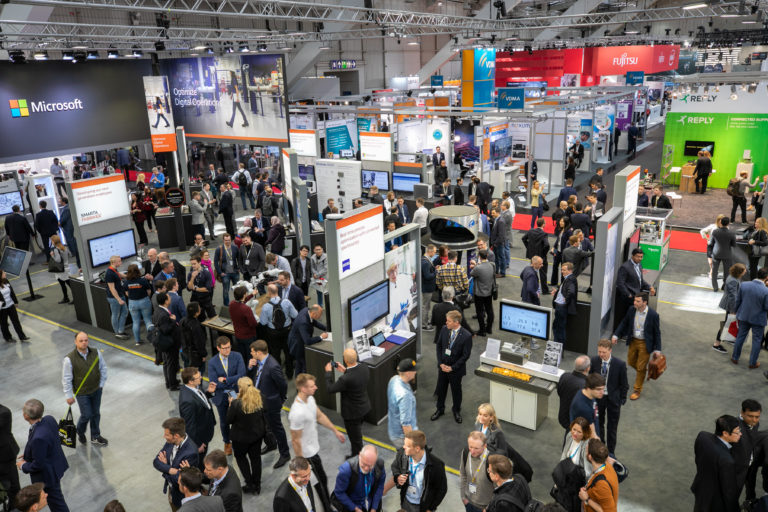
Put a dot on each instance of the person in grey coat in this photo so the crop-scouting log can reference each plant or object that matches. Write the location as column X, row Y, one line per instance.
column 197, row 209
column 723, row 242
column 484, row 275
column 729, row 298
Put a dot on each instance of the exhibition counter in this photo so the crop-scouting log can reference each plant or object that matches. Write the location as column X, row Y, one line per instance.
column 166, row 231
column 100, row 304
column 382, row 368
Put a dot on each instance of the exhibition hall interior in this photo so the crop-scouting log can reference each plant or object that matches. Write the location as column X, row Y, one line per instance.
column 378, row 256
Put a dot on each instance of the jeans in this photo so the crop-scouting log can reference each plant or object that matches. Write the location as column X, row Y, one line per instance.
column 319, row 298
column 757, row 341
column 90, row 411
column 559, row 324
column 536, row 212
column 471, row 508
column 247, row 194
column 140, row 309
column 501, row 253
column 227, row 280
column 739, row 202
column 119, row 315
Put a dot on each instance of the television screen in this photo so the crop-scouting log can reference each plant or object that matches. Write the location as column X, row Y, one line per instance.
column 15, row 261
column 378, row 178
column 524, row 319
column 307, row 172
column 692, row 147
column 501, row 148
column 368, row 306
column 403, row 182
column 122, row 243
column 8, row 199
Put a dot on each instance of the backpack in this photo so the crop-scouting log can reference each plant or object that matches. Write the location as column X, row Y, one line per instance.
column 278, row 316
column 242, row 180
column 733, row 187
column 568, row 477
column 378, row 470
column 531, row 504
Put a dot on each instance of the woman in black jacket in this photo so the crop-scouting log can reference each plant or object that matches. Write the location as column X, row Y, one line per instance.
column 276, row 237
column 193, row 337
column 563, row 232
column 248, row 427
column 8, row 303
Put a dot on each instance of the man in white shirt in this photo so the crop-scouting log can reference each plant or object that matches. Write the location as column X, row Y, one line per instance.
column 303, row 419
column 190, row 484
column 421, row 214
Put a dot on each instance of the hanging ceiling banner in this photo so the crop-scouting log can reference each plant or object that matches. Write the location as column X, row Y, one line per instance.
column 157, row 100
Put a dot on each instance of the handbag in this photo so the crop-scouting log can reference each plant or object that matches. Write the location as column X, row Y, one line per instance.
column 68, row 430
column 54, row 266
column 729, row 329
column 543, row 203
column 657, row 366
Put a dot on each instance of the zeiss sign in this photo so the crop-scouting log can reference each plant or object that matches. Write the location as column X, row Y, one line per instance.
column 511, row 98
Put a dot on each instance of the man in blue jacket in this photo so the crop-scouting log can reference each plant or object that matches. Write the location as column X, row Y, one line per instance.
column 751, row 309
column 224, row 370
column 268, row 377
column 43, row 458
column 641, row 327
column 360, row 482
column 531, row 292
column 301, row 334
column 178, row 451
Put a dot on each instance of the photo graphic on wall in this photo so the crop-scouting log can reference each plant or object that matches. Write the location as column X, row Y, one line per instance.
column 400, row 264
column 157, row 99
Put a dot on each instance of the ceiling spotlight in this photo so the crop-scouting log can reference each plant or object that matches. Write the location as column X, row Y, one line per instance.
column 209, row 50
column 324, row 47
column 700, row 5
column 113, row 54
column 93, row 54
column 243, row 48
column 752, row 88
column 367, row 98
column 41, row 55
column 262, row 47
column 734, row 96
column 229, row 49
column 80, row 47
column 413, row 43
column 67, row 55
column 432, row 90
column 136, row 52
column 409, row 93
column 17, row 56
column 199, row 47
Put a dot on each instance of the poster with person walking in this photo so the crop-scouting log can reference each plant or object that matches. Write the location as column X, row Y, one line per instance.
column 161, row 127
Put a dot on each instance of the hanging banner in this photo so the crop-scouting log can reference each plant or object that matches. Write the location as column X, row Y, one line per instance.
column 511, row 98
column 339, row 136
column 99, row 199
column 157, row 101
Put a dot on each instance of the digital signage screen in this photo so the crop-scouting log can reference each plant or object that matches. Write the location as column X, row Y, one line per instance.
column 692, row 147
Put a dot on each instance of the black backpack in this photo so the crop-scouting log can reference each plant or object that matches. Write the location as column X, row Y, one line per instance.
column 278, row 316
column 733, row 187
column 378, row 469
column 242, row 179
column 569, row 477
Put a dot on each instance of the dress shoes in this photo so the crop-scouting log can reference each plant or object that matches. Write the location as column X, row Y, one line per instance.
column 734, row 361
column 635, row 395
column 457, row 417
column 436, row 415
column 268, row 449
column 282, row 461
column 227, row 448
column 753, row 366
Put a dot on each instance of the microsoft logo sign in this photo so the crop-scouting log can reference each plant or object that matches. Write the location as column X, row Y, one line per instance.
column 19, row 108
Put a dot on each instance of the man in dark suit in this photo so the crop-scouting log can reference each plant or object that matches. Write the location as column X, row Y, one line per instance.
column 268, row 377
column 632, row 133
column 302, row 334
column 196, row 409
column 168, row 340
column 290, row 291
column 660, row 199
column 454, row 345
column 178, row 449
column 353, row 386
column 715, row 483
column 191, row 487
column 47, row 225
column 567, row 191
column 472, row 187
column 18, row 229
column 577, row 152
column 751, row 308
column 179, row 270
column 643, row 338
column 745, row 451
column 252, row 258
column 531, row 169
column 65, row 221
column 458, row 192
column 151, row 266
column 580, row 220
column 630, row 283
column 441, row 309
column 224, row 370
column 484, row 195
column 614, row 371
column 567, row 387
column 565, row 302
column 9, row 449
column 536, row 243
column 530, row 292
column 227, row 209
column 374, row 197
column 576, row 255
column 295, row 494
column 224, row 482
column 723, row 242
column 43, row 458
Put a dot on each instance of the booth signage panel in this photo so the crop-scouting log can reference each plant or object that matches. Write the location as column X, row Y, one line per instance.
column 720, row 102
column 478, row 68
column 158, row 105
column 360, row 241
column 365, row 124
column 376, row 147
column 99, row 199
column 617, row 60
column 339, row 135
column 436, row 80
column 55, row 106
column 304, row 142
column 511, row 98
column 174, row 197
column 635, row 77
column 288, row 174
column 610, row 269
column 630, row 195
column 624, row 114
column 230, row 97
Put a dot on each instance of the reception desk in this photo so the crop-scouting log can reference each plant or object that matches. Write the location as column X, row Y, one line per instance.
column 382, row 368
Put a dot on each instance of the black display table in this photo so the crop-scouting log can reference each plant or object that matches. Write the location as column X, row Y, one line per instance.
column 100, row 304
column 166, row 231
column 382, row 368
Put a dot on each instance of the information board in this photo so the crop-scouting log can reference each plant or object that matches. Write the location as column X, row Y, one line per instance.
column 610, row 267
column 376, row 146
column 304, row 142
column 99, row 199
column 360, row 240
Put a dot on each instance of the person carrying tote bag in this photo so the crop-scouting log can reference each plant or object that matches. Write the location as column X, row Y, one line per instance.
column 58, row 265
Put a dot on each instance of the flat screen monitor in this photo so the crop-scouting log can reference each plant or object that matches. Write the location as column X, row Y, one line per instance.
column 8, row 200
column 524, row 319
column 15, row 261
column 404, row 182
column 307, row 172
column 378, row 178
column 122, row 243
column 368, row 306
column 692, row 147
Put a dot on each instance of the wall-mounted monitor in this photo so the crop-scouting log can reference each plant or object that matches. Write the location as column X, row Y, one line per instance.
column 403, row 182
column 8, row 200
column 524, row 319
column 122, row 243
column 368, row 306
column 692, row 147
column 378, row 178
column 15, row 261
column 307, row 172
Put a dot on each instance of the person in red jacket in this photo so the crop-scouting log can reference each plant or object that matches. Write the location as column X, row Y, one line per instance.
column 243, row 320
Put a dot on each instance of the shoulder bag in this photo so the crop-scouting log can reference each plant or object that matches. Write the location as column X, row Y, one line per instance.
column 54, row 266
column 657, row 366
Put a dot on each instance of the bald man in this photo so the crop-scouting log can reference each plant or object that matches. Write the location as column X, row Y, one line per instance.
column 151, row 265
column 531, row 291
column 353, row 386
column 360, row 482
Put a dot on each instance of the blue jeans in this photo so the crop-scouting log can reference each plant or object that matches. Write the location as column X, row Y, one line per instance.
column 559, row 324
column 319, row 297
column 471, row 508
column 226, row 281
column 140, row 309
column 247, row 193
column 90, row 411
column 501, row 252
column 757, row 341
column 536, row 212
column 119, row 315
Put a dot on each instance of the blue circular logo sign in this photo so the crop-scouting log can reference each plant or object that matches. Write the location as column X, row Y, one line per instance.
column 437, row 134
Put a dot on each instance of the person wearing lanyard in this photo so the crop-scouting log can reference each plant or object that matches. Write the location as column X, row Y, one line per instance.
column 602, row 490
column 360, row 482
column 614, row 371
column 295, row 494
column 419, row 475
column 476, row 487
column 226, row 261
column 224, row 371
column 453, row 349
column 564, row 302
column 511, row 492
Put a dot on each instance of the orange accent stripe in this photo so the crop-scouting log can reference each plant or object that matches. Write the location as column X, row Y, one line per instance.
column 204, row 136
column 302, row 131
column 96, row 181
column 285, row 153
column 407, row 164
column 634, row 173
column 360, row 216
column 374, row 134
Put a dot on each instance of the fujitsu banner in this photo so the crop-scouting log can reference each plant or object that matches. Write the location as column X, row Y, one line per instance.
column 618, row 60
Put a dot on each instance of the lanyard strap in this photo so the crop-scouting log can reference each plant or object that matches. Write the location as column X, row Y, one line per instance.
column 476, row 471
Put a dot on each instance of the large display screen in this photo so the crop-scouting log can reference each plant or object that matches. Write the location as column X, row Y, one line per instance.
column 307, row 172
column 692, row 147
column 367, row 307
column 524, row 319
column 8, row 200
column 15, row 261
column 378, row 178
column 122, row 243
column 402, row 182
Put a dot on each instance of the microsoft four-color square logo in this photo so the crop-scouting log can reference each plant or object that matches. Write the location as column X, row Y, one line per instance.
column 19, row 108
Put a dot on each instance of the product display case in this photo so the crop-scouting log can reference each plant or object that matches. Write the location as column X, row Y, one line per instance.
column 654, row 236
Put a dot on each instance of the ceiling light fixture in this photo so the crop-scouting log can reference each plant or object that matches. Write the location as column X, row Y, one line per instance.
column 694, row 6
column 243, row 48
column 113, row 54
column 199, row 47
column 67, row 55
column 92, row 55
column 41, row 55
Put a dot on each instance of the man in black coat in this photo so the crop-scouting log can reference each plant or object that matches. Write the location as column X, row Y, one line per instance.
column 18, row 229
column 630, row 282
column 414, row 457
column 224, row 482
column 454, row 346
column 290, row 291
column 536, row 243
column 268, row 377
column 567, row 387
column 530, row 276
column 565, row 302
column 614, row 371
column 197, row 411
column 484, row 195
column 227, row 209
column 151, row 266
column 441, row 309
column 640, row 350
column 458, row 192
column 428, row 278
column 302, row 334
column 9, row 449
column 47, row 225
column 660, row 199
column 168, row 340
column 715, row 483
column 288, row 496
column 353, row 386
column 744, row 452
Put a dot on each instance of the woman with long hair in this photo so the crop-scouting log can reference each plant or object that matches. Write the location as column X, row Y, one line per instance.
column 8, row 303
column 140, row 182
column 60, row 255
column 235, row 94
column 149, row 207
column 562, row 233
column 706, row 233
column 488, row 423
column 137, row 213
column 193, row 337
column 575, row 449
column 248, row 427
column 730, row 295
column 536, row 194
column 138, row 291
column 757, row 242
